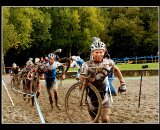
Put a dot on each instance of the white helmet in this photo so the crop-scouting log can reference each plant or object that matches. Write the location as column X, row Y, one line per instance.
column 29, row 63
column 97, row 44
column 74, row 57
column 30, row 58
column 51, row 55
column 14, row 65
column 37, row 60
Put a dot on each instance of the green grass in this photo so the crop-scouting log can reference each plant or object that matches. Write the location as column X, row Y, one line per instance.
column 137, row 66
column 129, row 66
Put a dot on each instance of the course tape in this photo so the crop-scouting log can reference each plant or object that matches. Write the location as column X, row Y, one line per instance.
column 22, row 92
column 37, row 105
column 8, row 92
column 38, row 109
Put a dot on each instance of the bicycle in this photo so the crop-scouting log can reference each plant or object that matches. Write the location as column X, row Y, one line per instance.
column 32, row 82
column 65, row 61
column 77, row 99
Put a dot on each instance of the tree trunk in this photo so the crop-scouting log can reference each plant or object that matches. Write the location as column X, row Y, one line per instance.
column 3, row 65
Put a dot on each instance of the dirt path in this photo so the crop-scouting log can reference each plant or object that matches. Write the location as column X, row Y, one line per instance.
column 124, row 107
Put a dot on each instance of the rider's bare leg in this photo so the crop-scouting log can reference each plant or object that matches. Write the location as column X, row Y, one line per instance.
column 38, row 92
column 14, row 81
column 50, row 97
column 105, row 115
column 56, row 99
column 30, row 87
column 24, row 89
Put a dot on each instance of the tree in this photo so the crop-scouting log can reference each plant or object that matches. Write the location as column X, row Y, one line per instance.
column 22, row 23
column 92, row 25
column 126, row 33
column 10, row 35
column 149, row 16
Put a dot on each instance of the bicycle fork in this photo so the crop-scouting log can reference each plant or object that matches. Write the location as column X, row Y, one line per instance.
column 82, row 95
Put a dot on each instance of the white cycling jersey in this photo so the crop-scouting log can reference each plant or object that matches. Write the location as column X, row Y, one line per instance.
column 107, row 63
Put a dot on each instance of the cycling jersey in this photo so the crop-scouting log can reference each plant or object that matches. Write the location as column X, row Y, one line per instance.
column 15, row 70
column 106, row 63
column 100, row 83
column 78, row 62
column 51, row 73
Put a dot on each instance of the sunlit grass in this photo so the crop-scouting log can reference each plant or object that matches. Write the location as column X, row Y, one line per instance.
column 129, row 66
column 137, row 66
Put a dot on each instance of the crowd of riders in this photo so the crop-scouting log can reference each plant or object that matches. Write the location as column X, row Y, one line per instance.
column 99, row 57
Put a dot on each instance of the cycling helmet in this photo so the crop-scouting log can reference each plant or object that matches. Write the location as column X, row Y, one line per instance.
column 46, row 58
column 74, row 57
column 29, row 63
column 51, row 55
column 30, row 58
column 37, row 60
column 14, row 65
column 97, row 44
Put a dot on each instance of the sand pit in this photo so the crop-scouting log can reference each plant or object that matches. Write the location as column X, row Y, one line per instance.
column 124, row 107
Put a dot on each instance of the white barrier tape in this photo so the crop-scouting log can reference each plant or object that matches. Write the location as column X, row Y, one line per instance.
column 22, row 92
column 38, row 107
column 110, row 93
column 129, row 78
column 39, row 110
column 8, row 92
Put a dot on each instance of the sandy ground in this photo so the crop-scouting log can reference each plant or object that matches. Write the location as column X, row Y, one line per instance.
column 124, row 107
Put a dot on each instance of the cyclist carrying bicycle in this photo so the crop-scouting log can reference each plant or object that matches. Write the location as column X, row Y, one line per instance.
column 51, row 80
column 97, row 60
column 14, row 71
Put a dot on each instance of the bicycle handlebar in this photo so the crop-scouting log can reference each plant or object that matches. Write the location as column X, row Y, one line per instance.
column 94, row 72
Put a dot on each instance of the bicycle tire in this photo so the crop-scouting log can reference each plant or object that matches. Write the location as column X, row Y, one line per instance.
column 72, row 105
column 65, row 60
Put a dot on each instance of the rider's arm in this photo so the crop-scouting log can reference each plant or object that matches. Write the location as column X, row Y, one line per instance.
column 11, row 70
column 119, row 75
column 84, row 71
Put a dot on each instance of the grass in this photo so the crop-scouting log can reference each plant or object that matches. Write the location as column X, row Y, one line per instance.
column 129, row 66
column 137, row 66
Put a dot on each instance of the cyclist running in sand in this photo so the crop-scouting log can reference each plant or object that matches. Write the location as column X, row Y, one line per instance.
column 51, row 80
column 97, row 59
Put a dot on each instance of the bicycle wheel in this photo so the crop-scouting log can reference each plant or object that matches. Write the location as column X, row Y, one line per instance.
column 77, row 105
column 66, row 61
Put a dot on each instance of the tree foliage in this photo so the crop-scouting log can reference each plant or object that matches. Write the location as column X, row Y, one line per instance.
column 37, row 31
